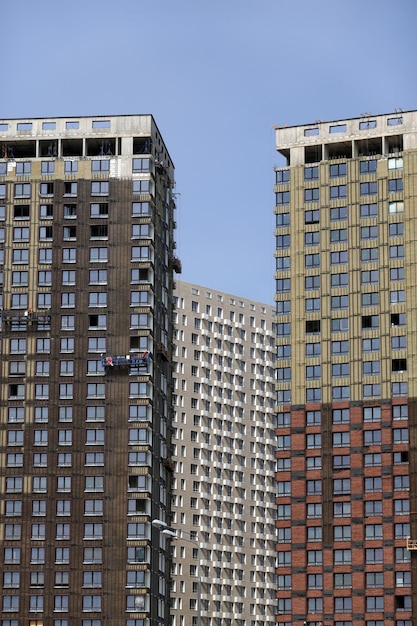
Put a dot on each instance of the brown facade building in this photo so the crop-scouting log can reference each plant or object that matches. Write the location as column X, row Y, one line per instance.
column 223, row 447
column 346, row 293
column 86, row 252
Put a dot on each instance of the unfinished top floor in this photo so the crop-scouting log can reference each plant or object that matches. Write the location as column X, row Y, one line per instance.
column 362, row 136
column 83, row 137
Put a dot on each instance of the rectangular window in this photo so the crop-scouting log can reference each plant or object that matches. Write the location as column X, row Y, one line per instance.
column 369, row 188
column 141, row 186
column 312, row 195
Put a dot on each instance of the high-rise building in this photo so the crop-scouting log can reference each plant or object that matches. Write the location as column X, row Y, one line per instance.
column 346, row 293
column 224, row 445
column 86, row 252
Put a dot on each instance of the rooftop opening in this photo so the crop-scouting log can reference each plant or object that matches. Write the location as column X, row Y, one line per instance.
column 18, row 149
column 395, row 144
column 313, row 154
column 142, row 145
column 98, row 146
column 72, row 147
column 341, row 150
column 370, row 146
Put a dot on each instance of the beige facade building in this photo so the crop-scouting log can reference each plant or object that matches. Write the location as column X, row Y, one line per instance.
column 346, row 293
column 86, row 255
column 224, row 443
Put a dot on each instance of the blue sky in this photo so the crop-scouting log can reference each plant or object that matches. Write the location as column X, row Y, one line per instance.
column 217, row 76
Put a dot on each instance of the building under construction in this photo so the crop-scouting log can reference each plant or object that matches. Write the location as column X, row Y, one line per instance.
column 86, row 253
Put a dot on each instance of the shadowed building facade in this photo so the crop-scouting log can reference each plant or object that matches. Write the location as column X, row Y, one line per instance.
column 86, row 252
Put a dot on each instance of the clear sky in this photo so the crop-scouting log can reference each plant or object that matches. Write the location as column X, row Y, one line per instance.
column 217, row 76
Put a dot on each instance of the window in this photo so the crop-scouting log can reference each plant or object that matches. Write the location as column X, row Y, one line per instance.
column 313, row 394
column 100, row 165
column 342, row 557
column 339, row 280
column 61, row 604
column 141, row 186
column 20, row 256
column 402, row 579
column 20, row 233
column 397, row 296
column 341, row 486
column 283, row 285
column 373, row 531
column 395, row 185
column 282, row 220
column 342, row 581
column 98, row 255
column 340, row 369
column 140, row 208
column 19, row 301
column 312, row 282
column 313, row 371
column 10, row 604
column 311, row 304
column 370, row 322
column 141, row 253
column 337, row 170
column 400, row 435
column 283, row 263
column 396, row 229
column 400, row 411
column 312, row 217
column 311, row 172
column 314, row 510
column 70, row 189
column 340, row 324
column 338, row 191
column 371, row 345
column 99, row 231
column 282, row 198
column 71, row 167
column 69, row 255
column 70, row 211
column 341, row 439
column 402, row 531
column 369, row 254
column 92, row 579
column 340, row 416
column 340, row 347
column 99, row 209
column 369, row 232
column 312, row 195
column 374, row 604
column 312, row 238
column 314, row 487
column 368, row 188
column 11, row 580
column 339, row 302
column 94, row 436
column 312, row 260
column 368, row 167
column 370, row 299
column 369, row 210
column 97, row 299
column 397, row 273
column 396, row 252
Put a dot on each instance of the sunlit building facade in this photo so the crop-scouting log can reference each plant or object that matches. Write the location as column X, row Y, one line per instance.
column 223, row 569
column 346, row 293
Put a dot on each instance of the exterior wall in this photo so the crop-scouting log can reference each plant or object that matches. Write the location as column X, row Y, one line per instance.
column 346, row 323
column 224, row 446
column 87, row 255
